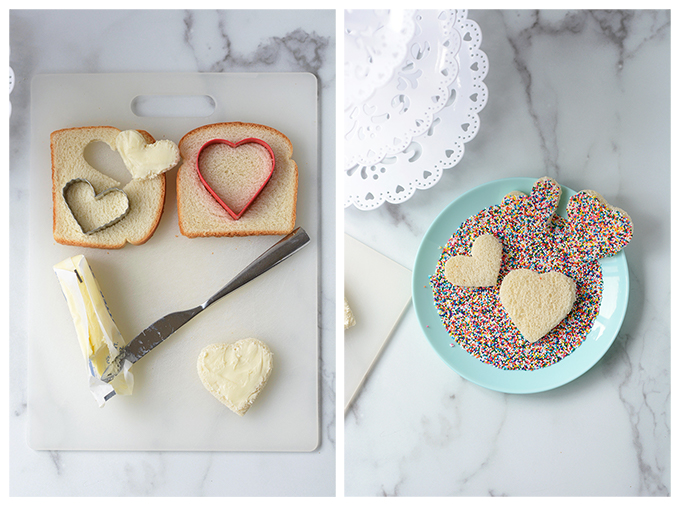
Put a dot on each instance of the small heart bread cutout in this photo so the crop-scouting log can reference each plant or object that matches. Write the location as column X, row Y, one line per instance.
column 235, row 373
column 143, row 160
column 479, row 269
column 235, row 173
column 536, row 302
column 94, row 211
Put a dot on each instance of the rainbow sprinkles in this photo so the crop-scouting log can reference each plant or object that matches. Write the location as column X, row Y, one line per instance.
column 533, row 237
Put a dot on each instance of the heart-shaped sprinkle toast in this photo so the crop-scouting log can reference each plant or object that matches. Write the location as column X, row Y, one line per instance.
column 479, row 269
column 536, row 302
column 235, row 172
column 596, row 229
column 531, row 215
column 95, row 211
column 235, row 373
column 143, row 160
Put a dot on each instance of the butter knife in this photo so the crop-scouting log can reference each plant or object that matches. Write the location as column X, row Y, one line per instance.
column 160, row 330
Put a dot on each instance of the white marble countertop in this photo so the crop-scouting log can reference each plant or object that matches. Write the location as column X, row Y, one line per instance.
column 582, row 97
column 169, row 41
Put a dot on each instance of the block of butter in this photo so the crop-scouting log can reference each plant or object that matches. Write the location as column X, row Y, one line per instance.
column 98, row 335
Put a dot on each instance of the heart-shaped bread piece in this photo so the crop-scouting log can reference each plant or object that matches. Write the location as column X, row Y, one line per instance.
column 235, row 172
column 537, row 302
column 143, row 160
column 235, row 373
column 596, row 229
column 479, row 269
column 95, row 211
column 531, row 215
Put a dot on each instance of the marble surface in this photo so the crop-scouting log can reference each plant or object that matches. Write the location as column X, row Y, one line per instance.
column 169, row 41
column 583, row 97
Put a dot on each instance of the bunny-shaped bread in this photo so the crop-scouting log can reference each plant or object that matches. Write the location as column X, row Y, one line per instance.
column 534, row 238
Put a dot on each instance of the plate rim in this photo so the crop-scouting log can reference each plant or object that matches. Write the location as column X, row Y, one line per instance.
column 547, row 381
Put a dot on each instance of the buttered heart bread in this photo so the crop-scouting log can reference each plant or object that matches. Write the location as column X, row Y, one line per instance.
column 479, row 269
column 145, row 160
column 537, row 302
column 235, row 373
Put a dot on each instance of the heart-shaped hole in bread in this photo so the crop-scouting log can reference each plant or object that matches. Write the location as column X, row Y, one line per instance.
column 235, row 373
column 100, row 156
column 235, row 173
column 537, row 302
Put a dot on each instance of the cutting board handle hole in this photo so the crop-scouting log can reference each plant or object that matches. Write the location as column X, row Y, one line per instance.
column 173, row 106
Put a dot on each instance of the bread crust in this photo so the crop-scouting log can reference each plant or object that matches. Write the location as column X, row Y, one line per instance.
column 193, row 199
column 115, row 237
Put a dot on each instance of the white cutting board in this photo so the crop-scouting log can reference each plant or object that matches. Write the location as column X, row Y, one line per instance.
column 170, row 409
column 378, row 291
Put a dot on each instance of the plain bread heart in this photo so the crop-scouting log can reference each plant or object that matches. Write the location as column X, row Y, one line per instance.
column 143, row 160
column 479, row 269
column 235, row 373
column 537, row 302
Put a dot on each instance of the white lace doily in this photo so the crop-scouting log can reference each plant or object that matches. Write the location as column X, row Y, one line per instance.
column 384, row 123
column 395, row 175
column 375, row 43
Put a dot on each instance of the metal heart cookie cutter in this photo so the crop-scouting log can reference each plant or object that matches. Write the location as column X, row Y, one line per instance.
column 97, row 196
column 249, row 140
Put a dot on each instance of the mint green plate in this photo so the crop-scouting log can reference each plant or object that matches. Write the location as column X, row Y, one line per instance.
column 598, row 341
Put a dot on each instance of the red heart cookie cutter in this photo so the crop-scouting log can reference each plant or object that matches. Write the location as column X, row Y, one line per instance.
column 249, row 140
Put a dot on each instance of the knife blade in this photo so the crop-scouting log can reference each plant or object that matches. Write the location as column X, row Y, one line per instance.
column 163, row 328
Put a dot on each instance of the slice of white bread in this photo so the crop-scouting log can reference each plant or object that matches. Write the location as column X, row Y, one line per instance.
column 273, row 210
column 146, row 197
column 537, row 302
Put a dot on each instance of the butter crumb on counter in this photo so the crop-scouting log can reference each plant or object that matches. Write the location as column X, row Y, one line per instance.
column 349, row 316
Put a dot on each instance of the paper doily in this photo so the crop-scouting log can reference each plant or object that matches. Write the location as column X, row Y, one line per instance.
column 394, row 173
column 375, row 44
column 384, row 123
